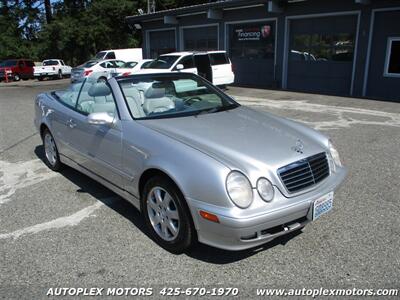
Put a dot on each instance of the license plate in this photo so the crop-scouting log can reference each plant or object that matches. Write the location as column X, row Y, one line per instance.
column 322, row 205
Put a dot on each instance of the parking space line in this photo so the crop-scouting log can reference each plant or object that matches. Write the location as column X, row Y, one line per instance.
column 61, row 222
column 14, row 176
column 345, row 116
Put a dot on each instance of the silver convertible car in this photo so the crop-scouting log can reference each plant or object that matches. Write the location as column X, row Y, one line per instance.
column 199, row 166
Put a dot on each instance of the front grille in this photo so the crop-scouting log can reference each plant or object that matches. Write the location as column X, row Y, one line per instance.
column 304, row 173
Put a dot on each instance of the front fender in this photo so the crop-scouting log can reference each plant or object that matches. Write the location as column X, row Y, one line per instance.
column 196, row 174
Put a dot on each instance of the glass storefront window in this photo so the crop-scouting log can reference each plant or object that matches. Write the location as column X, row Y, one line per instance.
column 323, row 47
column 252, row 40
column 200, row 39
column 392, row 66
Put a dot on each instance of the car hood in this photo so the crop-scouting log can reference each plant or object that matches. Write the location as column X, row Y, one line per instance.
column 243, row 138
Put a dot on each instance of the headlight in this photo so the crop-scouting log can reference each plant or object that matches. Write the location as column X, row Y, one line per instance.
column 334, row 155
column 239, row 189
column 265, row 189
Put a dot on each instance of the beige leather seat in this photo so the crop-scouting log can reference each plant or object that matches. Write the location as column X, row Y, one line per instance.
column 156, row 101
column 134, row 99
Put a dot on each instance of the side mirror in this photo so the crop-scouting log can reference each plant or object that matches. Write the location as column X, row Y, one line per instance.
column 100, row 118
column 179, row 67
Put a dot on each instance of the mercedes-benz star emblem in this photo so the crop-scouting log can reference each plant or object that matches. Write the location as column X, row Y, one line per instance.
column 299, row 147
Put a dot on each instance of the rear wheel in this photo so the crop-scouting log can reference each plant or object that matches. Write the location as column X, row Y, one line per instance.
column 102, row 80
column 40, row 78
column 167, row 215
column 52, row 157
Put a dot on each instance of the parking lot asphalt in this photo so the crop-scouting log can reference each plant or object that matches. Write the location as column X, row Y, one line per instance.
column 66, row 230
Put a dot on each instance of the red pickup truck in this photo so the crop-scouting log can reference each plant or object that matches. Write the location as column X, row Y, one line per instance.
column 16, row 69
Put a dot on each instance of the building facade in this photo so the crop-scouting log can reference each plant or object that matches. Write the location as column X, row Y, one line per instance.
column 340, row 47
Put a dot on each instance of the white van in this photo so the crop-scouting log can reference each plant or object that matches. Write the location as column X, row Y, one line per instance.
column 132, row 54
column 214, row 66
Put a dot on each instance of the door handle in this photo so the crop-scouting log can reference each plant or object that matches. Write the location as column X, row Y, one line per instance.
column 71, row 124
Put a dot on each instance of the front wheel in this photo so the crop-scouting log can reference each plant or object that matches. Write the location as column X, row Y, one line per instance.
column 52, row 157
column 167, row 215
column 16, row 77
column 60, row 75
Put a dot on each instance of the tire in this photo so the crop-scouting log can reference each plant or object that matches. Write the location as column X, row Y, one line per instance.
column 17, row 77
column 163, row 216
column 51, row 155
column 40, row 78
column 102, row 80
column 60, row 75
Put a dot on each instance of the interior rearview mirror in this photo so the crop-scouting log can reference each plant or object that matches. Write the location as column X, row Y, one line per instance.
column 179, row 67
column 100, row 118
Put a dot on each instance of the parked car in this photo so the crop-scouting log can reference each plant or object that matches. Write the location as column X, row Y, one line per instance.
column 132, row 67
column 132, row 54
column 16, row 69
column 197, row 164
column 52, row 68
column 101, row 69
column 215, row 66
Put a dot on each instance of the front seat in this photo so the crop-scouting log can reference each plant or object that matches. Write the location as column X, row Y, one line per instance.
column 133, row 98
column 99, row 92
column 156, row 100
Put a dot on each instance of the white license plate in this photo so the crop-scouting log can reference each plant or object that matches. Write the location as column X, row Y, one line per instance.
column 322, row 205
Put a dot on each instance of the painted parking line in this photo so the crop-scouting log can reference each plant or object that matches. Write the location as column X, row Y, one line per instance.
column 71, row 220
column 18, row 175
column 344, row 117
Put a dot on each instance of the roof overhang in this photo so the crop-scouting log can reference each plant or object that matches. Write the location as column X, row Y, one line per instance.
column 213, row 10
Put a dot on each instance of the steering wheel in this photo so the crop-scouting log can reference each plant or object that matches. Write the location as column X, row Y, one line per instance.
column 192, row 100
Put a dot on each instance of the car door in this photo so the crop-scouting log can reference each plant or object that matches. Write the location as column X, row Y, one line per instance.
column 21, row 69
column 188, row 64
column 221, row 68
column 97, row 147
column 60, row 116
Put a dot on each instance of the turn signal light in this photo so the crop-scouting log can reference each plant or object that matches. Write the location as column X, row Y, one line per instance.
column 209, row 216
column 126, row 74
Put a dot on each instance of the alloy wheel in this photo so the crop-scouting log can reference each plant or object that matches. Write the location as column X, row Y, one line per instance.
column 163, row 213
column 50, row 149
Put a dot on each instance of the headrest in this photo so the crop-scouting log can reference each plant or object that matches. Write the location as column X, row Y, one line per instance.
column 99, row 90
column 155, row 92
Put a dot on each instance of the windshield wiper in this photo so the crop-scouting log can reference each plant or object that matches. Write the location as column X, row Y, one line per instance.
column 215, row 109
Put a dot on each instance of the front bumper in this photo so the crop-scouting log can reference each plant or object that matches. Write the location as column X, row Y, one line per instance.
column 233, row 233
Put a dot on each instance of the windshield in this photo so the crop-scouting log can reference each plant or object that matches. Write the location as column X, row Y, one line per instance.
column 9, row 63
column 172, row 95
column 50, row 63
column 162, row 62
column 100, row 55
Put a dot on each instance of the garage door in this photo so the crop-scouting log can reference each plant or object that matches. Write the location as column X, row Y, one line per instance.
column 384, row 70
column 200, row 38
column 321, row 53
column 252, row 52
column 161, row 42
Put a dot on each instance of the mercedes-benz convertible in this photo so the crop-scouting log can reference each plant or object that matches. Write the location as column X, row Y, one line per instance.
column 198, row 165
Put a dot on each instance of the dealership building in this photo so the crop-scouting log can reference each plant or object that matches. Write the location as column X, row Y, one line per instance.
column 340, row 47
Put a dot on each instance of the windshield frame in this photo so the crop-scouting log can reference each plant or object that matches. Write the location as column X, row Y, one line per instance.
column 230, row 103
column 170, row 66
